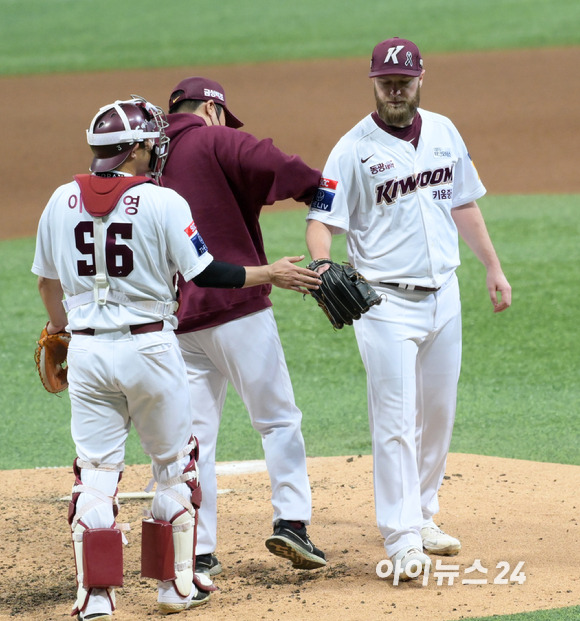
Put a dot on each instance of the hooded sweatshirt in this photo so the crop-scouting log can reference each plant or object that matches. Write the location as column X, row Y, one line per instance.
column 227, row 175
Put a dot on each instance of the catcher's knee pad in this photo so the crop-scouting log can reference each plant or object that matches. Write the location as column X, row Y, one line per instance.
column 168, row 546
column 177, row 484
column 94, row 494
column 98, row 545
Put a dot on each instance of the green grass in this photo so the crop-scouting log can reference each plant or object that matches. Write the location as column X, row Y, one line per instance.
column 518, row 396
column 519, row 382
column 560, row 614
column 67, row 35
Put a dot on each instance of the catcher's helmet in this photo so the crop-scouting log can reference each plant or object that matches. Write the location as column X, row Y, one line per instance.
column 118, row 126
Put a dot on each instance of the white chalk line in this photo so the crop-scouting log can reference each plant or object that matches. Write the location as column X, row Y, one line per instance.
column 225, row 468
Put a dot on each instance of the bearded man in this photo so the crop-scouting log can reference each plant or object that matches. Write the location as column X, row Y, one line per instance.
column 401, row 185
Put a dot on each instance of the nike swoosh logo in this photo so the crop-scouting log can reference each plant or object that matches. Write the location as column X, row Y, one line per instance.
column 365, row 160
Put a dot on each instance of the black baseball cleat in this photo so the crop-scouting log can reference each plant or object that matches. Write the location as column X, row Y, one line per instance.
column 295, row 545
column 208, row 564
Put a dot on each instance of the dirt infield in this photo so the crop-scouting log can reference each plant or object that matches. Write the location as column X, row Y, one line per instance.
column 517, row 114
column 504, row 511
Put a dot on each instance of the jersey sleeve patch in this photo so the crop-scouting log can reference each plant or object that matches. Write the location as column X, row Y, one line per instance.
column 323, row 200
column 328, row 184
column 196, row 239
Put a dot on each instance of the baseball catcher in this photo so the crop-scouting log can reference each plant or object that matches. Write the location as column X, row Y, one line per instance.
column 344, row 294
column 50, row 358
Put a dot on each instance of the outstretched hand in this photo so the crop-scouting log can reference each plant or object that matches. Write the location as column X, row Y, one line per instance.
column 285, row 274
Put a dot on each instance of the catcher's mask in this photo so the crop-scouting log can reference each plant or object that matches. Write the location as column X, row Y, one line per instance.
column 117, row 127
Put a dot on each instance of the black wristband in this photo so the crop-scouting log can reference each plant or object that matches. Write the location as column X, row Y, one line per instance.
column 221, row 275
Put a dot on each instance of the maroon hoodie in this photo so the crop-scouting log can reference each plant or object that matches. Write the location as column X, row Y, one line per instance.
column 227, row 175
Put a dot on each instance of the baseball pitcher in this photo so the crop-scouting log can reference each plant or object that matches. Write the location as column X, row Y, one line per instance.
column 402, row 186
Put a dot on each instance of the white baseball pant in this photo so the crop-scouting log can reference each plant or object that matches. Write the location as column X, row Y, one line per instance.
column 246, row 352
column 411, row 349
column 117, row 379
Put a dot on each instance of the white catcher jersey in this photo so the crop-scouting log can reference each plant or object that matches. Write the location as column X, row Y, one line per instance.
column 394, row 201
column 148, row 236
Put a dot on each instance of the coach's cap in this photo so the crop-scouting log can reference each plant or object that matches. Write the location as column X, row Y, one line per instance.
column 398, row 56
column 203, row 89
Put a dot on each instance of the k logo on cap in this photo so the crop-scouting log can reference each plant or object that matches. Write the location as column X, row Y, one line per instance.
column 396, row 56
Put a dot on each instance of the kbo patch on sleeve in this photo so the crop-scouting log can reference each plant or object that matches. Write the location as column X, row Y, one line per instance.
column 196, row 239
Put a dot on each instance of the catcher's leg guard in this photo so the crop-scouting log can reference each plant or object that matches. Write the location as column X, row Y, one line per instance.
column 98, row 545
column 168, row 545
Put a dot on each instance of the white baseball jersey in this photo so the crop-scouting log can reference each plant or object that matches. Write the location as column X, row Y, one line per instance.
column 394, row 201
column 147, row 237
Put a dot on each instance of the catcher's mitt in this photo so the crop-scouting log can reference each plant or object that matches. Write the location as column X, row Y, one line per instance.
column 344, row 294
column 50, row 358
